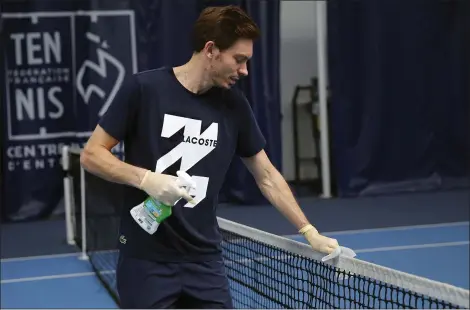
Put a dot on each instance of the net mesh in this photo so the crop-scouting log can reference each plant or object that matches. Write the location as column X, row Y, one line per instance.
column 269, row 271
column 264, row 270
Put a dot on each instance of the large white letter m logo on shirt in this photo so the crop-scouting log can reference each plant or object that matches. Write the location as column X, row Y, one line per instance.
column 194, row 147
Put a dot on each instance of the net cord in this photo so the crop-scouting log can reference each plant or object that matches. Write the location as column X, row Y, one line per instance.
column 427, row 287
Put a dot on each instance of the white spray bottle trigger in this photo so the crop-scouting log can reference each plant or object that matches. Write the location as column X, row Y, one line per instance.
column 185, row 180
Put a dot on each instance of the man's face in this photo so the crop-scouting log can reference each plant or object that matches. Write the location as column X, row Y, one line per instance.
column 227, row 66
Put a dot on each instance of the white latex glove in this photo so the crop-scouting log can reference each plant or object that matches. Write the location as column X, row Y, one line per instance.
column 319, row 242
column 164, row 188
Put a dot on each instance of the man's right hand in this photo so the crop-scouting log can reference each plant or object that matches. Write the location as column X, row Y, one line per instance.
column 97, row 158
column 164, row 188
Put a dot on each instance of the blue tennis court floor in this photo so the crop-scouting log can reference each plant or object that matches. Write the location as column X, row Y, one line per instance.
column 439, row 252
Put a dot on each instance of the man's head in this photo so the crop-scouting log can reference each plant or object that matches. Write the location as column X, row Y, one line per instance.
column 223, row 37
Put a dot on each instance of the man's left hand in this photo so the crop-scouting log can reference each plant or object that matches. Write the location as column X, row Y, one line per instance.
column 319, row 242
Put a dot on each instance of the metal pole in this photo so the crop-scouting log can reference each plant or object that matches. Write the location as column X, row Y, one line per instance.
column 84, row 255
column 67, row 197
column 322, row 92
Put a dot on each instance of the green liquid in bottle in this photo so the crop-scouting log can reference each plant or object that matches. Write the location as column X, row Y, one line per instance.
column 157, row 210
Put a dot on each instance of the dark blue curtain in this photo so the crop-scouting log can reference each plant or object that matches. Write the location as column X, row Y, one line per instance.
column 2, row 124
column 262, row 88
column 133, row 36
column 163, row 31
column 399, row 78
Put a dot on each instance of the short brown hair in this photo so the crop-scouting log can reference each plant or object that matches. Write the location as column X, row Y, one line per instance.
column 224, row 25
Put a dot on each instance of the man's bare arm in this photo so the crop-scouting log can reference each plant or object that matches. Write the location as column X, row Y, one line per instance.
column 97, row 159
column 274, row 187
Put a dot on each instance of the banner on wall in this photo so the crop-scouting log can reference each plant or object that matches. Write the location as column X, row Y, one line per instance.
column 62, row 70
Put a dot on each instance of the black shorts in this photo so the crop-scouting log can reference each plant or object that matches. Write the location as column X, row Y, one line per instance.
column 146, row 284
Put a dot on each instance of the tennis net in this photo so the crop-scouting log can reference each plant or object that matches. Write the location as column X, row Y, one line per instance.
column 264, row 270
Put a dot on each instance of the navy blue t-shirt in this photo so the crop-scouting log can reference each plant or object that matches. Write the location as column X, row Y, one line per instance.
column 166, row 128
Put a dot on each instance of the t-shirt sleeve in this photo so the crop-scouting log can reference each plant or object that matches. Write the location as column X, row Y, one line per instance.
column 121, row 113
column 250, row 138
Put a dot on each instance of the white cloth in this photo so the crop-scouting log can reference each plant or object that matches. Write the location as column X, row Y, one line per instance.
column 339, row 251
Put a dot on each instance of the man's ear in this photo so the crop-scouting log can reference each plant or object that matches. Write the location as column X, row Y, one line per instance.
column 210, row 49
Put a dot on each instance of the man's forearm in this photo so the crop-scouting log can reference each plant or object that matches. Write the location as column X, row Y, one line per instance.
column 276, row 190
column 101, row 162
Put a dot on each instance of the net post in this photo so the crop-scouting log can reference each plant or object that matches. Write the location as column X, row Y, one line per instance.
column 83, row 255
column 320, row 7
column 67, row 196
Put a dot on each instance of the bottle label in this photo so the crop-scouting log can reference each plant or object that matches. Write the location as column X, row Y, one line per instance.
column 150, row 213
column 154, row 211
column 145, row 214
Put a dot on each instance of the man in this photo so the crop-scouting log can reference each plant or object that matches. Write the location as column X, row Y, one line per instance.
column 187, row 118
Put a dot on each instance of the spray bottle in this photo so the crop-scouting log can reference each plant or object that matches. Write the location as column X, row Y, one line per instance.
column 151, row 213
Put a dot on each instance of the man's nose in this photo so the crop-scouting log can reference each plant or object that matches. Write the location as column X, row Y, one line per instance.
column 243, row 70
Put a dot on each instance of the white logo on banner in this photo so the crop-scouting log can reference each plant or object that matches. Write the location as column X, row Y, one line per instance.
column 194, row 147
column 100, row 68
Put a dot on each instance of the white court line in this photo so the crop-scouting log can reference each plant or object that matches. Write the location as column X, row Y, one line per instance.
column 410, row 247
column 60, row 276
column 395, row 228
column 14, row 259
column 52, row 256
